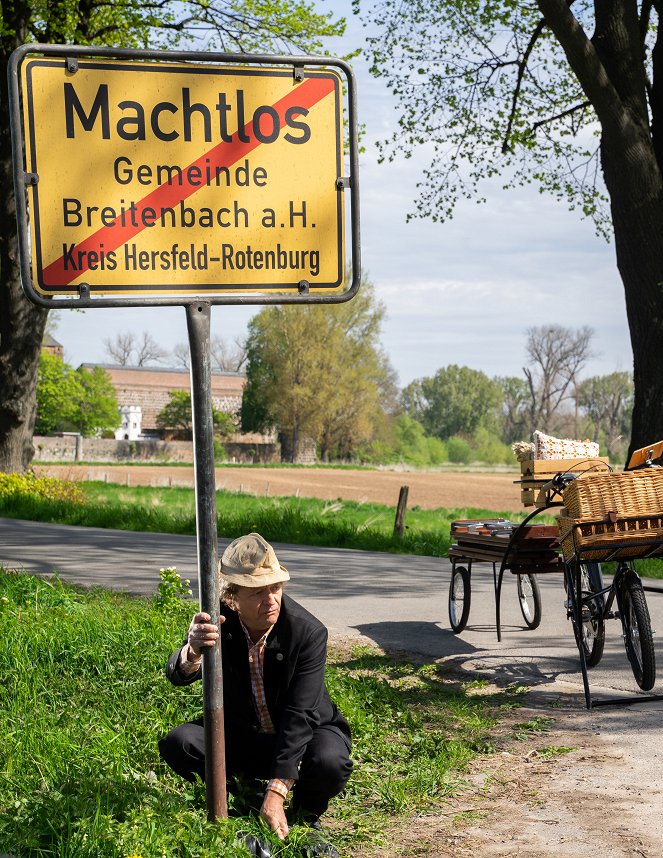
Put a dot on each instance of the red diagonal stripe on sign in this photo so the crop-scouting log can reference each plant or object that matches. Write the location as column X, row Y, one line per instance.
column 224, row 154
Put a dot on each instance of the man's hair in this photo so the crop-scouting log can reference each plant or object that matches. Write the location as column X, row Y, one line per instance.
column 228, row 590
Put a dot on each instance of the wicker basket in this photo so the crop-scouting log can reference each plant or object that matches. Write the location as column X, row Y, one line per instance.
column 537, row 473
column 627, row 493
column 598, row 540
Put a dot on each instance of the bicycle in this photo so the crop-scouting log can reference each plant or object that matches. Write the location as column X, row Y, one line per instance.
column 590, row 603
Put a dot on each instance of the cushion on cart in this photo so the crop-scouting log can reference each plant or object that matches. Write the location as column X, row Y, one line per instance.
column 547, row 447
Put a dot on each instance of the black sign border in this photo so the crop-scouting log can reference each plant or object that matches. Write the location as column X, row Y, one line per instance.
column 260, row 293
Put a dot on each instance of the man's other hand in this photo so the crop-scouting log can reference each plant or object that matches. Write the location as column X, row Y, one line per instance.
column 273, row 813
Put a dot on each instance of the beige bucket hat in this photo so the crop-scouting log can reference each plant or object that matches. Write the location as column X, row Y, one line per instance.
column 250, row 561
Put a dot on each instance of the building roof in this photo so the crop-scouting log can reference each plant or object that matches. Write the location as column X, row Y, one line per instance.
column 50, row 342
column 175, row 370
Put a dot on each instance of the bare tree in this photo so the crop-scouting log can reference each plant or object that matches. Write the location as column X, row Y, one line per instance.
column 127, row 350
column 556, row 356
column 607, row 400
column 121, row 348
column 181, row 356
column 228, row 357
column 148, row 350
column 52, row 322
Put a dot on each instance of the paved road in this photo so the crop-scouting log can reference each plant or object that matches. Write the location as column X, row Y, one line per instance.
column 396, row 601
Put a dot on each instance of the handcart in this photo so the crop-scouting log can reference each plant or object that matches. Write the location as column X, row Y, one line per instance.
column 528, row 550
column 523, row 549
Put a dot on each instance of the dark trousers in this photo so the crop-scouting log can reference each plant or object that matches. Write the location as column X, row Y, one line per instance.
column 325, row 768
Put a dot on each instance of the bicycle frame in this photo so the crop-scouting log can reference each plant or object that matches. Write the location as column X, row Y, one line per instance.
column 604, row 599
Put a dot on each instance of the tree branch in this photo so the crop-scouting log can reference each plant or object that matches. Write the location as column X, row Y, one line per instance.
column 582, row 106
column 522, row 65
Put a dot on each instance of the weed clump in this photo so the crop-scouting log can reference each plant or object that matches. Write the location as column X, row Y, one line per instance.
column 45, row 488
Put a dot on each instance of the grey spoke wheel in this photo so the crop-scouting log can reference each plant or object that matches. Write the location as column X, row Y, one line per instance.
column 593, row 624
column 590, row 633
column 529, row 597
column 636, row 624
column 459, row 598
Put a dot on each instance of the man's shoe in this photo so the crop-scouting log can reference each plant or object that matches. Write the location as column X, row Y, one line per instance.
column 315, row 843
column 257, row 848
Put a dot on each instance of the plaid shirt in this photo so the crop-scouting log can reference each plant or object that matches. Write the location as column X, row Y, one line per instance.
column 256, row 666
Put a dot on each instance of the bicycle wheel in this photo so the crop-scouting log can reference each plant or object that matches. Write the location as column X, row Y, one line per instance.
column 459, row 598
column 638, row 638
column 591, row 634
column 529, row 597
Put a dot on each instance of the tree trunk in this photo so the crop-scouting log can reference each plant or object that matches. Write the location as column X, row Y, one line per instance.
column 636, row 193
column 21, row 323
column 639, row 247
column 634, row 181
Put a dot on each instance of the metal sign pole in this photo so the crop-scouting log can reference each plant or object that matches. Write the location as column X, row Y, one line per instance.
column 198, row 317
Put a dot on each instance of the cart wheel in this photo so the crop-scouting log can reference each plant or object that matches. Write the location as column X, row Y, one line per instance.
column 529, row 597
column 460, row 595
column 591, row 635
column 636, row 624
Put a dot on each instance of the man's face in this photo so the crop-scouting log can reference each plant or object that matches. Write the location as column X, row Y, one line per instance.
column 259, row 607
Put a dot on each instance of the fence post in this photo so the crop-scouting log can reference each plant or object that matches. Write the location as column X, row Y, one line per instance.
column 399, row 523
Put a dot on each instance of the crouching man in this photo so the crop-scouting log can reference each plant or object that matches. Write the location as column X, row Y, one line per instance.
column 281, row 726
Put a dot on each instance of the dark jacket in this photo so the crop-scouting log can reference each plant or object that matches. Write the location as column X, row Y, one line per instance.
column 294, row 667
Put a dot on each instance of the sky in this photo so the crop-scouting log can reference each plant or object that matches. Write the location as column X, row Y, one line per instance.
column 462, row 292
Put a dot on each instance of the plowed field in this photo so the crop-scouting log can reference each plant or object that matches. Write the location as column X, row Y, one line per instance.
column 429, row 490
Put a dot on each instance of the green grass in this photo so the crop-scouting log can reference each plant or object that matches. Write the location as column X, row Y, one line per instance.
column 300, row 521
column 84, row 699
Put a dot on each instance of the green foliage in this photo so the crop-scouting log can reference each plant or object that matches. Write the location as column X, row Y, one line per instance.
column 455, row 400
column 488, row 448
column 488, row 90
column 407, row 443
column 176, row 413
column 84, row 700
column 515, row 401
column 58, row 391
column 97, row 409
column 176, row 417
column 259, row 26
column 459, row 450
column 14, row 487
column 416, row 447
column 317, row 372
column 70, row 400
column 608, row 401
